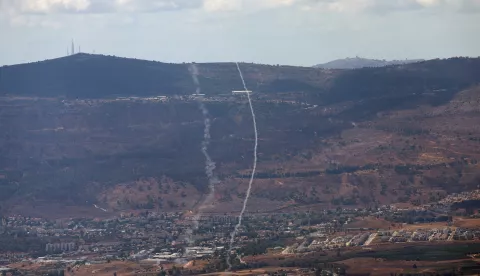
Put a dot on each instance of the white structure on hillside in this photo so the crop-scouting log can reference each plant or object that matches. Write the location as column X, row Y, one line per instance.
column 241, row 92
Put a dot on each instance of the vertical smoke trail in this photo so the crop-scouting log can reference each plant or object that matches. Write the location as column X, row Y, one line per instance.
column 194, row 72
column 252, row 177
column 209, row 164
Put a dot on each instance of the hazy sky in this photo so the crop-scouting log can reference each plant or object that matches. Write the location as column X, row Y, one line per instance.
column 297, row 32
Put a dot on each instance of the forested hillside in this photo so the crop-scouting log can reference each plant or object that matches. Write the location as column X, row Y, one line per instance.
column 358, row 62
column 327, row 137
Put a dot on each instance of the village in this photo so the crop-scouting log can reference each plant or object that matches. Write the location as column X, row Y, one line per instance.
column 157, row 238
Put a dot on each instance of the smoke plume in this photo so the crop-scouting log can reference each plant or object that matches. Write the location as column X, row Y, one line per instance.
column 209, row 164
column 252, row 176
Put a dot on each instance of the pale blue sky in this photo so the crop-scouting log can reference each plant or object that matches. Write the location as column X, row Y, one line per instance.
column 296, row 32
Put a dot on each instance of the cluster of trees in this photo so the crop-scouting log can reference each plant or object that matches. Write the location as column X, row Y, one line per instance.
column 344, row 201
column 13, row 272
column 412, row 217
column 59, row 272
column 16, row 243
column 407, row 131
column 174, row 271
column 255, row 248
column 270, row 174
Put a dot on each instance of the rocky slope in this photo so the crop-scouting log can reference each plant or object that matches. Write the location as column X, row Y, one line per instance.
column 327, row 138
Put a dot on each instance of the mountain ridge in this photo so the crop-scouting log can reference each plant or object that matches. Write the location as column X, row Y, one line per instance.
column 357, row 63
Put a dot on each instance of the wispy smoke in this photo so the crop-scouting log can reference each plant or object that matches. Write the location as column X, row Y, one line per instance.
column 194, row 72
column 252, row 177
column 209, row 164
column 95, row 205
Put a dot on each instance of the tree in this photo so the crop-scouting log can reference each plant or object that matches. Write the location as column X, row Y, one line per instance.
column 175, row 271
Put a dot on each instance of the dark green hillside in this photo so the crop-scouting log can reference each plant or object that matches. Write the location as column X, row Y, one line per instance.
column 97, row 76
column 430, row 77
column 432, row 82
column 93, row 76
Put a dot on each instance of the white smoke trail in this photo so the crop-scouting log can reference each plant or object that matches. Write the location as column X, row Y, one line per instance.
column 209, row 164
column 194, row 72
column 252, row 177
column 95, row 205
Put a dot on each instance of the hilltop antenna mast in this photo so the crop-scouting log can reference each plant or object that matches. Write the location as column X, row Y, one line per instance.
column 73, row 48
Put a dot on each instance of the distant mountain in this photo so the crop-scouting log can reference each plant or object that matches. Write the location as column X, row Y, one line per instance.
column 357, row 62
